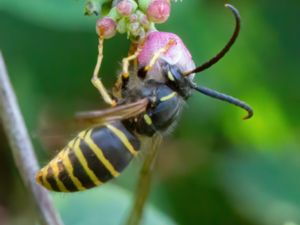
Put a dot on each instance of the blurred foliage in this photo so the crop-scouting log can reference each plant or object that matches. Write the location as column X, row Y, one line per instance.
column 215, row 168
column 268, row 183
column 109, row 203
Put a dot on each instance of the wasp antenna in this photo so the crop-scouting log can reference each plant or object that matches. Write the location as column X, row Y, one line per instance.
column 227, row 47
column 226, row 98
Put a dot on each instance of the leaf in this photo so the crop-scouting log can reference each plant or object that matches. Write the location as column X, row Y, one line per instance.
column 264, row 187
column 107, row 205
column 57, row 14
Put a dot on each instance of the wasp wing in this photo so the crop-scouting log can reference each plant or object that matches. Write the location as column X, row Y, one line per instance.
column 120, row 112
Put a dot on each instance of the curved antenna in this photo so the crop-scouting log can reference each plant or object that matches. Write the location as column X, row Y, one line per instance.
column 227, row 47
column 226, row 98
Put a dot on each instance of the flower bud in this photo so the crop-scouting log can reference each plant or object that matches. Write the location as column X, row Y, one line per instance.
column 143, row 4
column 92, row 7
column 158, row 11
column 143, row 19
column 122, row 26
column 134, row 28
column 106, row 27
column 126, row 7
column 133, row 18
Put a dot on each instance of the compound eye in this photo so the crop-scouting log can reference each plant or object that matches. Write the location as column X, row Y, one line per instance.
column 142, row 73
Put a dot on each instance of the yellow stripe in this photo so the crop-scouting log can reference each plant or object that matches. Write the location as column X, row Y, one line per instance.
column 46, row 184
column 59, row 183
column 69, row 168
column 123, row 138
column 170, row 76
column 168, row 97
column 84, row 164
column 147, row 119
column 71, row 143
column 98, row 152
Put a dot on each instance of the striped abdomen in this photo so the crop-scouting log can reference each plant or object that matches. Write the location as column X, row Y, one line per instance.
column 93, row 157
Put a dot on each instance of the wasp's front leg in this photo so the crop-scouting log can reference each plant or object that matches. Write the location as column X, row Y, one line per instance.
column 96, row 81
column 158, row 53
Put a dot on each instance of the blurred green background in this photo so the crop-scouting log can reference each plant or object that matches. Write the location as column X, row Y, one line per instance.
column 215, row 169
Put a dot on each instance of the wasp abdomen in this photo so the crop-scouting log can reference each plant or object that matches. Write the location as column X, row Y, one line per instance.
column 93, row 157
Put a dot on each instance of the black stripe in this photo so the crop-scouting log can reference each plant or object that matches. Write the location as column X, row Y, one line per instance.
column 65, row 178
column 94, row 163
column 40, row 178
column 113, row 149
column 145, row 129
column 51, row 180
column 79, row 172
column 134, row 141
column 165, row 113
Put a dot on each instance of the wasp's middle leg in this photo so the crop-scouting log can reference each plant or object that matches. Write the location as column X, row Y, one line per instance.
column 96, row 81
column 126, row 61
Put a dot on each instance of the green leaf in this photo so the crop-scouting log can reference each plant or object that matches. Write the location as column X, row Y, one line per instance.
column 57, row 14
column 107, row 205
column 264, row 187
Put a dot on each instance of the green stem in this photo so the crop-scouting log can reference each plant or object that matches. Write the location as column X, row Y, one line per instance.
column 144, row 183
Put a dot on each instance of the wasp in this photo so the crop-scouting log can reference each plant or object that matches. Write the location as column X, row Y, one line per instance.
column 146, row 102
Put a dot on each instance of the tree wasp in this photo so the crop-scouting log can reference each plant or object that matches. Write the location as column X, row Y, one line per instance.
column 147, row 100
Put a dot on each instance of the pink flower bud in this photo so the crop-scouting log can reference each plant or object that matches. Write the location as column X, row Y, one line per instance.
column 133, row 18
column 106, row 27
column 158, row 11
column 144, row 21
column 177, row 54
column 126, row 7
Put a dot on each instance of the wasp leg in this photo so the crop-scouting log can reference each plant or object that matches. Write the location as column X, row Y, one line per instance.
column 158, row 53
column 96, row 81
column 125, row 62
column 124, row 76
column 144, row 183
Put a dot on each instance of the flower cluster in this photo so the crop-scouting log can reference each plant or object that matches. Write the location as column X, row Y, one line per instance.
column 134, row 17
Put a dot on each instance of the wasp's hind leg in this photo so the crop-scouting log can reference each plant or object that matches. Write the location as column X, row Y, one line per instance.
column 96, row 81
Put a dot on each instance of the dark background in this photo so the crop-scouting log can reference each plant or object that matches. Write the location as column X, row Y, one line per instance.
column 215, row 169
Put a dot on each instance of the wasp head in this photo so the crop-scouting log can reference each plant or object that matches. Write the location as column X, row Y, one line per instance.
column 176, row 80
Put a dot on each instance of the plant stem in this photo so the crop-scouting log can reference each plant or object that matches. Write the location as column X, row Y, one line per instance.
column 22, row 149
column 144, row 183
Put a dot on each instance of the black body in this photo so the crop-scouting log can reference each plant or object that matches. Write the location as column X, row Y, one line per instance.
column 166, row 101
